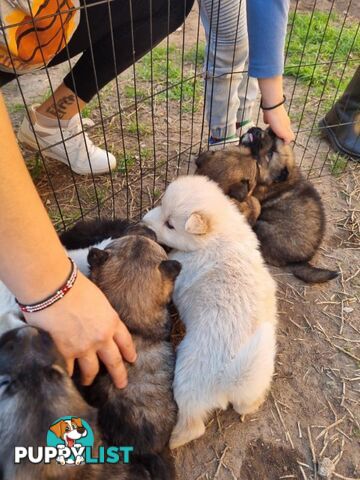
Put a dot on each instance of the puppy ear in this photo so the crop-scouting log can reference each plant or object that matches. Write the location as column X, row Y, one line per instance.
column 58, row 428
column 197, row 224
column 201, row 160
column 97, row 257
column 170, row 268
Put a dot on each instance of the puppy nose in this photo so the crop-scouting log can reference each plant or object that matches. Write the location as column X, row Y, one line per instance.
column 81, row 429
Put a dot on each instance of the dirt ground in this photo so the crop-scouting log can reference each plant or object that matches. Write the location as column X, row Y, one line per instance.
column 312, row 412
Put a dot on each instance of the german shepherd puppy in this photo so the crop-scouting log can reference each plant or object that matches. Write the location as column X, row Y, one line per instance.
column 291, row 225
column 138, row 279
column 235, row 170
column 35, row 390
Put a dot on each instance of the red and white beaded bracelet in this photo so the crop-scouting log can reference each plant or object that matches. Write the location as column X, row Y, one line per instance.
column 55, row 297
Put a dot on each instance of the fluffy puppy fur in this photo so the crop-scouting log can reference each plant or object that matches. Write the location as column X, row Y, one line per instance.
column 291, row 225
column 226, row 298
column 138, row 279
column 35, row 390
column 235, row 170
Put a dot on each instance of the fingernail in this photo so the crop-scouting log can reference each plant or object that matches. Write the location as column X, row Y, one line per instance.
column 122, row 384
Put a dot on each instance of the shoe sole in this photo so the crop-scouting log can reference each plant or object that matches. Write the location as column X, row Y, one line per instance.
column 329, row 135
column 224, row 144
column 29, row 144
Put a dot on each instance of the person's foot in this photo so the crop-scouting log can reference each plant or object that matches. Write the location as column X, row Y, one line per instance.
column 243, row 127
column 218, row 143
column 79, row 152
column 233, row 140
column 341, row 124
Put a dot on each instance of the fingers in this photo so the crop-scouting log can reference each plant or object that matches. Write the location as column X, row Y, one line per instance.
column 288, row 137
column 124, row 341
column 113, row 361
column 89, row 368
column 70, row 366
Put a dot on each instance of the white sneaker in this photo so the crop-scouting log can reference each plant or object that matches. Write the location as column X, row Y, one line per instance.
column 220, row 143
column 244, row 128
column 83, row 158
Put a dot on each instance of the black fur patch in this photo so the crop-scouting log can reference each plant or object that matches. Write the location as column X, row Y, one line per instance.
column 87, row 233
column 239, row 191
column 283, row 175
column 138, row 433
column 170, row 268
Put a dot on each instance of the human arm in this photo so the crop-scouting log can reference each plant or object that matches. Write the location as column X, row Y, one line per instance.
column 267, row 20
column 33, row 264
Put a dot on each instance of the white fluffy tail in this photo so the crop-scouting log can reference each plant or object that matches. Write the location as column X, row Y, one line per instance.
column 248, row 376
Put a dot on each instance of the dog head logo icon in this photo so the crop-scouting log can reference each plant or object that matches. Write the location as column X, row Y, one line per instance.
column 70, row 435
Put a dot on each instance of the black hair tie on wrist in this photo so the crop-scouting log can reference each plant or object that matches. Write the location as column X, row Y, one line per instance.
column 274, row 106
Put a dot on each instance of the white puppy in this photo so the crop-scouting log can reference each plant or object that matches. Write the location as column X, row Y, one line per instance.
column 226, row 298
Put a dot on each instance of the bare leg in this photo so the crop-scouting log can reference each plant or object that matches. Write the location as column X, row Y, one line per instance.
column 62, row 105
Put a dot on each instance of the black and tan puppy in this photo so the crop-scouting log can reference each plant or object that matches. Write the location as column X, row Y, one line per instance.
column 291, row 225
column 87, row 233
column 138, row 279
column 35, row 390
column 235, row 170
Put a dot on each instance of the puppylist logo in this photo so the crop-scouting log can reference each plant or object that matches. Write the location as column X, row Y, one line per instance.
column 70, row 441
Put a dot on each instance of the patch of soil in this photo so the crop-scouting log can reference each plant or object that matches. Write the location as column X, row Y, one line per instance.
column 351, row 7
column 265, row 460
column 313, row 410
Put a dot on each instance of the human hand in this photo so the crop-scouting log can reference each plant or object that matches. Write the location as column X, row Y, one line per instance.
column 85, row 327
column 279, row 122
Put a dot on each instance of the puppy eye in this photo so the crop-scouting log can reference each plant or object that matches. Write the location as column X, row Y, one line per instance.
column 67, row 428
column 168, row 224
column 4, row 382
column 270, row 154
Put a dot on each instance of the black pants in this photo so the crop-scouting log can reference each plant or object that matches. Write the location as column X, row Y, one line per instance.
column 111, row 35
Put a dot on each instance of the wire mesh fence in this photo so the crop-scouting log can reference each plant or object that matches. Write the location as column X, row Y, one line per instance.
column 152, row 114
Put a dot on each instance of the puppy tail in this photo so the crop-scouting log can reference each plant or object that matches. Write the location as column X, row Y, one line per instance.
column 310, row 274
column 160, row 466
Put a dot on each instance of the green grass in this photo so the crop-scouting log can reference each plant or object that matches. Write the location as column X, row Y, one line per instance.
column 157, row 193
column 89, row 108
column 318, row 51
column 125, row 162
column 164, row 66
column 337, row 164
column 16, row 108
column 35, row 166
column 134, row 128
column 146, row 153
column 196, row 53
column 129, row 92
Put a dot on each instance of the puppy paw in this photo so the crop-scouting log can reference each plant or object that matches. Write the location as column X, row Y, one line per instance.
column 245, row 408
column 194, row 428
column 61, row 460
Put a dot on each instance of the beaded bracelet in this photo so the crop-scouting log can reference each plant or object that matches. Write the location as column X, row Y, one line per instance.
column 274, row 106
column 58, row 295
